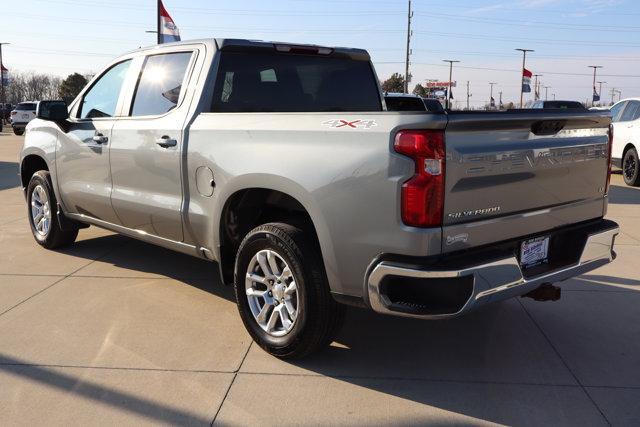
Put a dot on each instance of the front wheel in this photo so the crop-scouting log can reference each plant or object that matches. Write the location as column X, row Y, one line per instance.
column 631, row 168
column 282, row 291
column 41, row 204
column 18, row 131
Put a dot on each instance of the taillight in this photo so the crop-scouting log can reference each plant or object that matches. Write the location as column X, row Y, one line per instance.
column 606, row 191
column 423, row 194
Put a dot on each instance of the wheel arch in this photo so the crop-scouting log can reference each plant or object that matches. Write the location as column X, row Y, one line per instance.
column 269, row 201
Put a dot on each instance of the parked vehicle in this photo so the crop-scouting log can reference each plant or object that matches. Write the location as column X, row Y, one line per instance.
column 626, row 139
column 558, row 105
column 279, row 162
column 407, row 102
column 22, row 115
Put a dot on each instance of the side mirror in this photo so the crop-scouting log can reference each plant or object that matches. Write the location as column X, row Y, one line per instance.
column 54, row 111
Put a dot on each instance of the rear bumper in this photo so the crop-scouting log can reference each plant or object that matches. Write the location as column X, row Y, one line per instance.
column 466, row 287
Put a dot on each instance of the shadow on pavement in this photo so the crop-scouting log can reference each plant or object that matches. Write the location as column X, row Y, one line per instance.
column 96, row 392
column 624, row 195
column 598, row 281
column 8, row 175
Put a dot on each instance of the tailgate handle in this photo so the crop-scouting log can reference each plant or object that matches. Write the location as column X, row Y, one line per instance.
column 547, row 127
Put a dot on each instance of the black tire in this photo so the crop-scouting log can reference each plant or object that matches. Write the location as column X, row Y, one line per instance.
column 56, row 236
column 18, row 132
column 631, row 168
column 318, row 315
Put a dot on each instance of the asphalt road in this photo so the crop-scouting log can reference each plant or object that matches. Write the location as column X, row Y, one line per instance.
column 113, row 330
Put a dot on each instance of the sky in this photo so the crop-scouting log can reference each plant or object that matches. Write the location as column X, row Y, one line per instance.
column 65, row 36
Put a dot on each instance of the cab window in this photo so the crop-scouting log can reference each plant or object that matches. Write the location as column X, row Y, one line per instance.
column 160, row 84
column 102, row 99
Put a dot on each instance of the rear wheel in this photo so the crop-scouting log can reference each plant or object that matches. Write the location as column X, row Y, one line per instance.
column 282, row 292
column 631, row 168
column 42, row 204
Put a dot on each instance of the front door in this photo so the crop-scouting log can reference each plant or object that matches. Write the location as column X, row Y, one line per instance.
column 82, row 154
column 146, row 149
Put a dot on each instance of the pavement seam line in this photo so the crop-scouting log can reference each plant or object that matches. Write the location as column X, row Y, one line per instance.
column 235, row 375
column 56, row 282
column 564, row 362
column 117, row 368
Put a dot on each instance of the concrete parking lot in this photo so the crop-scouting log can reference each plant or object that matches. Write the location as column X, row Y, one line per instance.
column 112, row 330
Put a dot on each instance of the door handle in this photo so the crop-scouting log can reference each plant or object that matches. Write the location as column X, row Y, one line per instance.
column 166, row 142
column 99, row 138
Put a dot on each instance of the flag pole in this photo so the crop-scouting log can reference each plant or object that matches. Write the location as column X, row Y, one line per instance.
column 158, row 20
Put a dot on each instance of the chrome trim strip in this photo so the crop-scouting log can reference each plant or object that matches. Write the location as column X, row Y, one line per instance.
column 493, row 281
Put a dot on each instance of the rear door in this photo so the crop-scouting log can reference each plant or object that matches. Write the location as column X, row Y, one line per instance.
column 517, row 173
column 146, row 149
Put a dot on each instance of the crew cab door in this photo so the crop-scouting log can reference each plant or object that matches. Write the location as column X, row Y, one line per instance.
column 82, row 154
column 147, row 145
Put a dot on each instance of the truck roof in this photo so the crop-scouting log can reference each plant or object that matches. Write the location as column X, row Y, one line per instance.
column 251, row 45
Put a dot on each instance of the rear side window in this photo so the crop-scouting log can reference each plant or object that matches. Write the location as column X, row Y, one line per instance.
column 160, row 84
column 631, row 112
column 26, row 106
column 278, row 82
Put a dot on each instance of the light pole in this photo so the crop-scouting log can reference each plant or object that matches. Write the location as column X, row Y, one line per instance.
column 524, row 62
column 2, row 98
column 546, row 92
column 491, row 93
column 536, row 92
column 554, row 96
column 451, row 62
column 595, row 67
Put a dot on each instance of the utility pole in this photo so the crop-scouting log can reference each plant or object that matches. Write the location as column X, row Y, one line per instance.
column 546, row 92
column 451, row 62
column 524, row 62
column 536, row 89
column 468, row 95
column 491, row 93
column 613, row 93
column 2, row 94
column 407, row 76
column 595, row 67
column 500, row 102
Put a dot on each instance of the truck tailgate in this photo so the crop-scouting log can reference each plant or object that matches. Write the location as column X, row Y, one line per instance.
column 519, row 173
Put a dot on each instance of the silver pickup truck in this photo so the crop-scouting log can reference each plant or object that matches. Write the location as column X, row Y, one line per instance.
column 281, row 163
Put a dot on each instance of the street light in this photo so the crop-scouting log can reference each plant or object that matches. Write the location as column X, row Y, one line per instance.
column 450, row 61
column 595, row 67
column 600, row 89
column 524, row 60
column 546, row 92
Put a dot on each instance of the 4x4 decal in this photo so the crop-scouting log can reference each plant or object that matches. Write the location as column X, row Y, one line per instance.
column 355, row 124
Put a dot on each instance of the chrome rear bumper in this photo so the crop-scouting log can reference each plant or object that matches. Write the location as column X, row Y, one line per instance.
column 493, row 281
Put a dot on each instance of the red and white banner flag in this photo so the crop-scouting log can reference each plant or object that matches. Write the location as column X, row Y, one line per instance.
column 168, row 31
column 526, row 80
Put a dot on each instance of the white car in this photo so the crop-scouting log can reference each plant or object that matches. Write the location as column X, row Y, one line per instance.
column 23, row 114
column 626, row 139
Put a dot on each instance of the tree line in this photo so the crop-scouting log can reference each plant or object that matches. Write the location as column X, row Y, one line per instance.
column 33, row 86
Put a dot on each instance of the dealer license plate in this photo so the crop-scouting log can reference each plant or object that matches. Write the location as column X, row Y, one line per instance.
column 534, row 251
